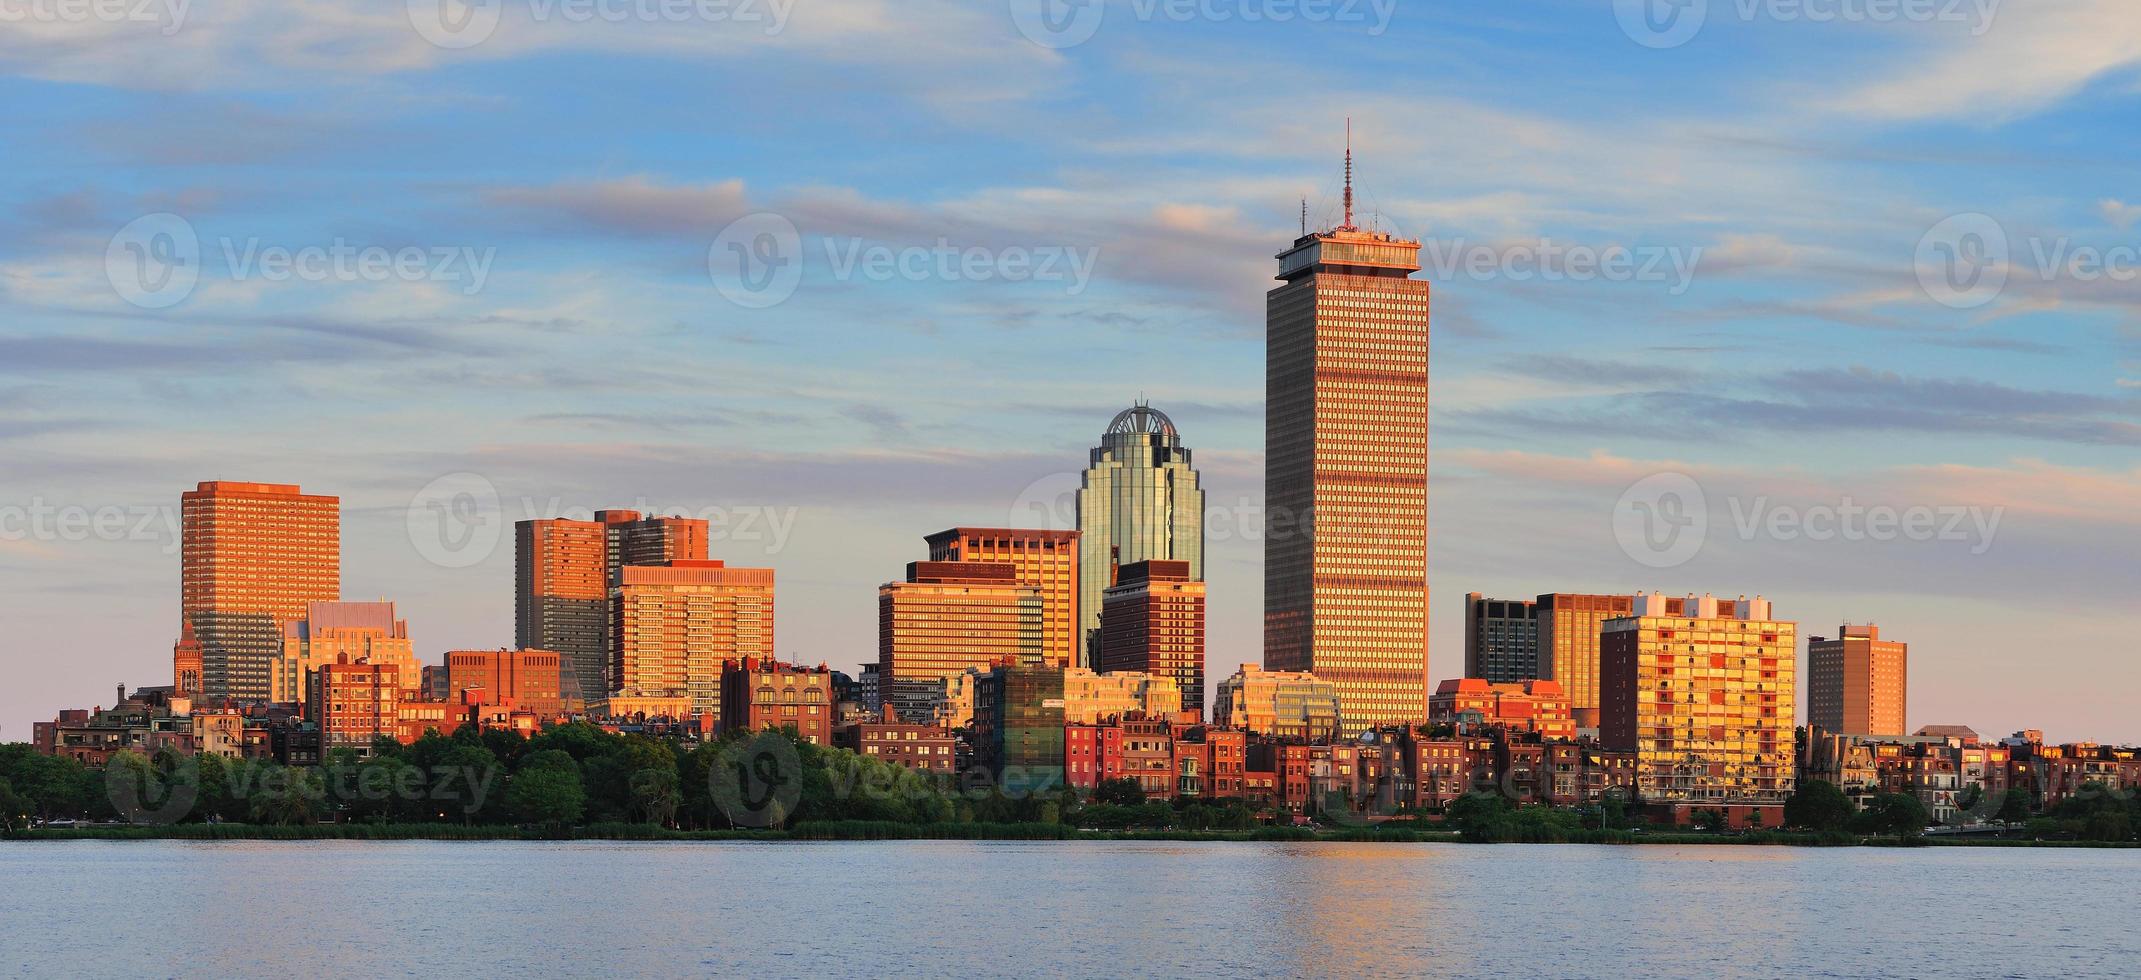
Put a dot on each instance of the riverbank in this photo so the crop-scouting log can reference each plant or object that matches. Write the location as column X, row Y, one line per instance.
column 868, row 831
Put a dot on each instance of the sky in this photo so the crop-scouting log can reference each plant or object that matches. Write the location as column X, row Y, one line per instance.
column 1829, row 302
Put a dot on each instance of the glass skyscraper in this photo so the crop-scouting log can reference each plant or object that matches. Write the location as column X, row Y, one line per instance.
column 1140, row 501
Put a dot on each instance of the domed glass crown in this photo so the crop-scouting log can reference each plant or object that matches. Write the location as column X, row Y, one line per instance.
column 1141, row 419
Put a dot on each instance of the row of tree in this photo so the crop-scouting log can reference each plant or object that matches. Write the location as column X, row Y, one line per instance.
column 2096, row 812
column 565, row 776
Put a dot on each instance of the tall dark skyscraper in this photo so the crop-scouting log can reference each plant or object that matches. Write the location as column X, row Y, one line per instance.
column 1345, row 469
column 1501, row 639
column 1139, row 501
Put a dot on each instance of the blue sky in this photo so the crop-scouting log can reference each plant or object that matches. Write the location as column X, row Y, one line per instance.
column 1804, row 172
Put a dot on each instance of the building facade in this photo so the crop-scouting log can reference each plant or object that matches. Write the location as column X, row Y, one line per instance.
column 1858, row 683
column 925, row 748
column 1279, row 704
column 1152, row 622
column 1501, row 639
column 1345, row 470
column 1138, row 500
column 1529, row 706
column 520, row 680
column 251, row 557
column 1568, row 628
column 677, row 625
column 757, row 695
column 1705, row 698
column 1090, row 698
column 353, row 703
column 1018, row 727
column 1046, row 561
column 330, row 632
column 949, row 617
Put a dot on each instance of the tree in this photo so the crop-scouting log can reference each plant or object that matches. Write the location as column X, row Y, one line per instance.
column 289, row 795
column 2014, row 806
column 1899, row 814
column 464, row 779
column 53, row 786
column 1479, row 816
column 2108, row 825
column 1973, row 796
column 1119, row 792
column 651, row 784
column 14, row 812
column 1819, row 806
column 1708, row 819
column 547, row 790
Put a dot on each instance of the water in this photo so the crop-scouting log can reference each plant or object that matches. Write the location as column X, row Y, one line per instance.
column 1060, row 909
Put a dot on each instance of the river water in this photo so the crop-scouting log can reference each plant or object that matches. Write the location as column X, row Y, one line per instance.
column 1051, row 909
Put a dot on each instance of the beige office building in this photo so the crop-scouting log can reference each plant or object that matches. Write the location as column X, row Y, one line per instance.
column 677, row 625
column 344, row 632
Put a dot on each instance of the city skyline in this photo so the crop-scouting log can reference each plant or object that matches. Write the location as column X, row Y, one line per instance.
column 1804, row 370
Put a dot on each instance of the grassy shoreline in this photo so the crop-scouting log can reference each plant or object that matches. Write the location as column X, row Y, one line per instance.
column 867, row 831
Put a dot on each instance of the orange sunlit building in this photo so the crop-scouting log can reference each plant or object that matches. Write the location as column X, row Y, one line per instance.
column 330, row 632
column 677, row 625
column 354, row 703
column 563, row 573
column 1705, row 699
column 251, row 557
column 948, row 617
column 1345, row 470
column 186, row 663
column 760, row 694
column 519, row 680
column 1857, row 683
column 1532, row 706
column 1042, row 560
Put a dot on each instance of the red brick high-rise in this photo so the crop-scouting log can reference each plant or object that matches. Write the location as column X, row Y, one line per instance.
column 1152, row 621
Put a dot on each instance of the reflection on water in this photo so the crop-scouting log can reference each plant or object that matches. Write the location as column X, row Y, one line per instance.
column 1075, row 909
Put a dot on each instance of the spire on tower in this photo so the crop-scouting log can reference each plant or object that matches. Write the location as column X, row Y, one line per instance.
column 1348, row 225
